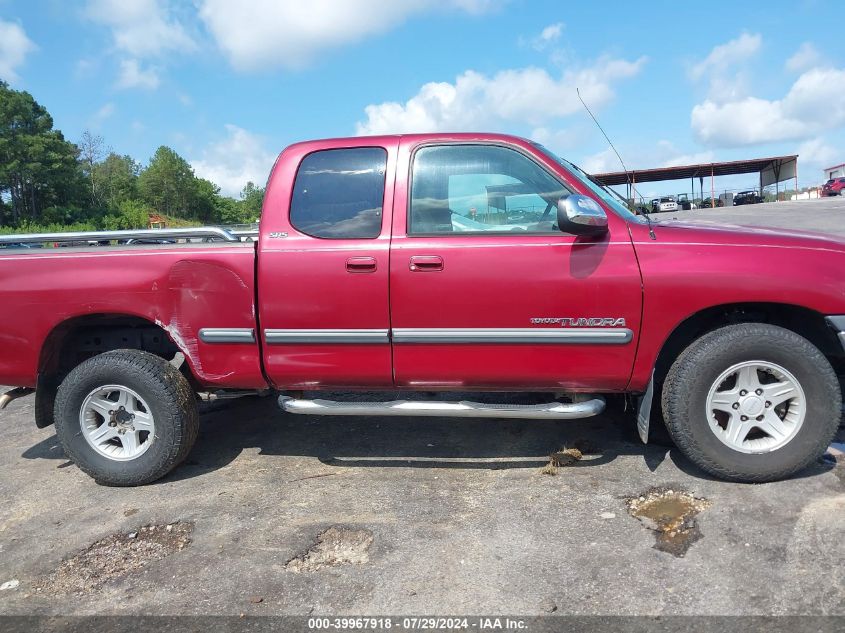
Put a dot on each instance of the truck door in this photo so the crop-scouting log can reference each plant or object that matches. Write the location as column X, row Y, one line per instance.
column 486, row 292
column 323, row 266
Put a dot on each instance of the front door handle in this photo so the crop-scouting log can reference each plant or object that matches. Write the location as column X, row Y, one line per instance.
column 361, row 265
column 426, row 263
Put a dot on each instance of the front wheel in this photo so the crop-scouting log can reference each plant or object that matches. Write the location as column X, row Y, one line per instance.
column 126, row 417
column 752, row 402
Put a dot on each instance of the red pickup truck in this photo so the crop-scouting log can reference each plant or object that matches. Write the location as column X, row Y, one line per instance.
column 435, row 263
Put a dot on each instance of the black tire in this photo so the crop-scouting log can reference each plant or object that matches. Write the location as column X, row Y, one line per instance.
column 689, row 380
column 171, row 401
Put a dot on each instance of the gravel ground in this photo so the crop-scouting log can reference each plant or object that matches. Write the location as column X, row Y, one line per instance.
column 825, row 215
column 283, row 514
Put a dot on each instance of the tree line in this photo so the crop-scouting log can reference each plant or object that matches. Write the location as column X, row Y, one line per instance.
column 48, row 182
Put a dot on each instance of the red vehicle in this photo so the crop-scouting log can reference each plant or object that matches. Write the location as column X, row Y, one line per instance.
column 834, row 187
column 372, row 272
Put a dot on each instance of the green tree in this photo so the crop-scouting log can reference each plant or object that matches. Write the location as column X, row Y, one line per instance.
column 38, row 167
column 91, row 150
column 229, row 210
column 131, row 214
column 168, row 184
column 206, row 204
column 252, row 198
column 116, row 180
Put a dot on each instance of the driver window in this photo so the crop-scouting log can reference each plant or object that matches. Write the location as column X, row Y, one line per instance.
column 481, row 189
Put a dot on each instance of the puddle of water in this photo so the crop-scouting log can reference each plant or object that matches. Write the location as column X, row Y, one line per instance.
column 335, row 546
column 115, row 556
column 671, row 516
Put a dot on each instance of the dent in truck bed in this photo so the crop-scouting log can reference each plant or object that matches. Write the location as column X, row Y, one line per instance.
column 182, row 289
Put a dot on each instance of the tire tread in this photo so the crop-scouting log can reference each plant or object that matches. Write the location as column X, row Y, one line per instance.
column 180, row 412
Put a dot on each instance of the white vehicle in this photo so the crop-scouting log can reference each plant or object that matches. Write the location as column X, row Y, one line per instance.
column 666, row 203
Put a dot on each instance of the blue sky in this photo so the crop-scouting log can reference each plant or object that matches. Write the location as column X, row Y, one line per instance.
column 229, row 83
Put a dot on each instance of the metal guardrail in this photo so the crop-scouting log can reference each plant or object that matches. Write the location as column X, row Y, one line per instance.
column 141, row 234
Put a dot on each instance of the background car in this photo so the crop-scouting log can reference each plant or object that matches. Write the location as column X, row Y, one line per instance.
column 666, row 203
column 685, row 203
column 834, row 187
column 707, row 203
column 747, row 197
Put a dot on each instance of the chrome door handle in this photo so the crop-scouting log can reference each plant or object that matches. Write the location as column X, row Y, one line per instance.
column 426, row 263
column 361, row 265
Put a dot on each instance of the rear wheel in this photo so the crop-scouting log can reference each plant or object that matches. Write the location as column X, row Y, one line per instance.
column 752, row 402
column 126, row 417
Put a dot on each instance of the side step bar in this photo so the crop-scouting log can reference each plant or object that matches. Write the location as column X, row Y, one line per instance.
column 463, row 409
column 14, row 394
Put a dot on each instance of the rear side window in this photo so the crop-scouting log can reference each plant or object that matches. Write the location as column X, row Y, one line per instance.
column 339, row 193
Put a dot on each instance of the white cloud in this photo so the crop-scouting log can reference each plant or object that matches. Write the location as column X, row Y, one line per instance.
column 725, row 55
column 667, row 155
column 601, row 162
column 547, row 36
column 663, row 153
column 804, row 58
column 815, row 102
column 14, row 47
column 477, row 101
column 560, row 139
column 235, row 160
column 133, row 76
column 141, row 28
column 102, row 114
column 255, row 34
column 725, row 68
column 818, row 153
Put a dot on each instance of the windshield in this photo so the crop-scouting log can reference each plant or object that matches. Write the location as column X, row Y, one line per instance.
column 608, row 195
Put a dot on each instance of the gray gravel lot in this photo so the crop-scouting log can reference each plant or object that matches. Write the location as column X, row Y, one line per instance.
column 825, row 215
column 283, row 514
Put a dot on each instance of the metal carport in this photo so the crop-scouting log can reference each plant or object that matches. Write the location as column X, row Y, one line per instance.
column 773, row 170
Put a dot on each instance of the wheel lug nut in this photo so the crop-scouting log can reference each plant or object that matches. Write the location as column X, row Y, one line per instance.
column 759, row 392
column 744, row 418
column 759, row 418
column 768, row 404
column 735, row 405
column 111, row 412
column 743, row 392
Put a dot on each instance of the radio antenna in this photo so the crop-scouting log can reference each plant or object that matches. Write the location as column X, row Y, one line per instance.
column 622, row 162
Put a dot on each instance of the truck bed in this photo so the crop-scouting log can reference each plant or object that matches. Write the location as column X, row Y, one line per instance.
column 182, row 288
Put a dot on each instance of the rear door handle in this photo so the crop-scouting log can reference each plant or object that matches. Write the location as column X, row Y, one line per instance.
column 361, row 265
column 426, row 263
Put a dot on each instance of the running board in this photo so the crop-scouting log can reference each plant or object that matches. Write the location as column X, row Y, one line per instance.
column 14, row 394
column 549, row 411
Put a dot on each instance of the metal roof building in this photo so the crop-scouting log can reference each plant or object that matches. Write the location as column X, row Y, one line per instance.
column 773, row 171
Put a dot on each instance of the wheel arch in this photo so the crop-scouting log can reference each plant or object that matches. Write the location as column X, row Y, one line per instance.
column 803, row 321
column 78, row 338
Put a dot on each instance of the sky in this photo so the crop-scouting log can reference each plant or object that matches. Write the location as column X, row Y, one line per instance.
column 229, row 83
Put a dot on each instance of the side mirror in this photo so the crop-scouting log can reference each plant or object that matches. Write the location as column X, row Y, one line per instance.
column 581, row 215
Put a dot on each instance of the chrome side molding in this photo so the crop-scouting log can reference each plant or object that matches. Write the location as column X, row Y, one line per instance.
column 227, row 335
column 278, row 337
column 510, row 336
column 463, row 409
column 477, row 336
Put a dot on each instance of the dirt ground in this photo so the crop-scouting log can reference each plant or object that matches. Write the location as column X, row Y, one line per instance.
column 285, row 514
